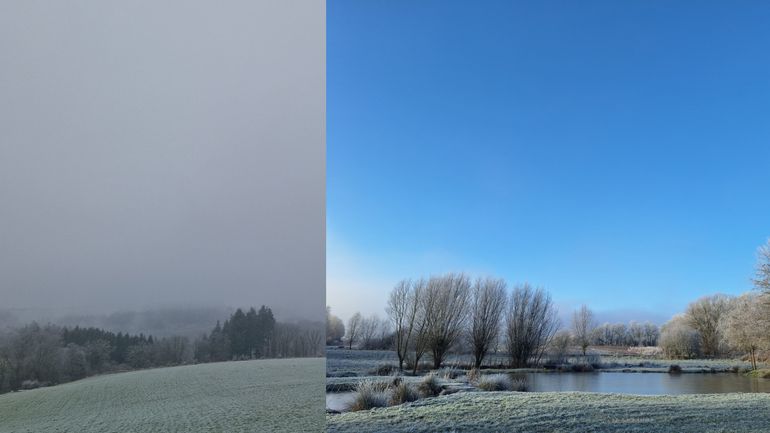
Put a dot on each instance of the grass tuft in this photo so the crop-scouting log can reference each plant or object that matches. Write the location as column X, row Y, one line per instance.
column 369, row 394
column 403, row 393
column 473, row 374
column 430, row 386
column 502, row 382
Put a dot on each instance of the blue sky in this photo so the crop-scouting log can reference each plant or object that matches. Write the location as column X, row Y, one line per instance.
column 615, row 153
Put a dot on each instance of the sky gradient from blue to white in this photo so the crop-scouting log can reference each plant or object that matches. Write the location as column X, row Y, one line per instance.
column 615, row 153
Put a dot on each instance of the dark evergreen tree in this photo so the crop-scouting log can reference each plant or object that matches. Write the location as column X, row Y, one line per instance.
column 265, row 330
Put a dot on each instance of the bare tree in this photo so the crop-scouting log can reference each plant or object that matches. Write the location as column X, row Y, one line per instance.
column 651, row 334
column 762, row 279
column 403, row 312
column 636, row 333
column 420, row 341
column 398, row 310
column 354, row 328
column 704, row 316
column 446, row 311
column 372, row 329
column 531, row 322
column 582, row 326
column 743, row 326
column 488, row 303
column 619, row 333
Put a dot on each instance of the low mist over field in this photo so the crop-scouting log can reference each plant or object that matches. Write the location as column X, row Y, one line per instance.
column 161, row 322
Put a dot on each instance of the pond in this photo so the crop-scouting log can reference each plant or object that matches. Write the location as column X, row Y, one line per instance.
column 625, row 383
column 647, row 383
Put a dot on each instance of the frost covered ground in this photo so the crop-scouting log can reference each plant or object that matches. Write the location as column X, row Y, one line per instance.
column 564, row 412
column 344, row 362
column 347, row 363
column 246, row 396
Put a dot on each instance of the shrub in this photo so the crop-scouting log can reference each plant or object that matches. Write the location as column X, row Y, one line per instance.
column 678, row 340
column 593, row 360
column 369, row 394
column 760, row 373
column 674, row 369
column 30, row 384
column 582, row 368
column 403, row 393
column 449, row 373
column 384, row 370
column 429, row 386
column 495, row 382
column 519, row 383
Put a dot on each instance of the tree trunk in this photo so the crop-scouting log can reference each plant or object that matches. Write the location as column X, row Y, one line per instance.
column 416, row 364
column 438, row 357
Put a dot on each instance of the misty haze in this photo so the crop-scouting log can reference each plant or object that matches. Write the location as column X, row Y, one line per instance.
column 162, row 204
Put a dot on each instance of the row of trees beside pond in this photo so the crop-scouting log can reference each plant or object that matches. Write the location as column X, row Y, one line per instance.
column 433, row 315
column 429, row 317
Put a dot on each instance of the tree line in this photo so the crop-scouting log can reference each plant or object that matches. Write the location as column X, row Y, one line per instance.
column 35, row 355
column 452, row 312
column 431, row 316
column 717, row 325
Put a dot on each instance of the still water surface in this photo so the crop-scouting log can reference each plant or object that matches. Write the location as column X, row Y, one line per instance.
column 647, row 383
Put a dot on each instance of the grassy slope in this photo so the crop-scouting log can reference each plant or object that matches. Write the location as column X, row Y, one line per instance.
column 565, row 412
column 247, row 396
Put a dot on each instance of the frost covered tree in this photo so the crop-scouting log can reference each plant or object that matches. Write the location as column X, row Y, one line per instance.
column 704, row 316
column 679, row 340
column 762, row 278
column 446, row 304
column 651, row 334
column 745, row 326
column 488, row 301
column 373, row 331
column 636, row 333
column 582, row 327
column 354, row 328
column 530, row 324
column 420, row 342
column 402, row 309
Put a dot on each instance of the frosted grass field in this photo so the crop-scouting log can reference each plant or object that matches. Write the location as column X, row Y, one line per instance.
column 246, row 396
column 564, row 412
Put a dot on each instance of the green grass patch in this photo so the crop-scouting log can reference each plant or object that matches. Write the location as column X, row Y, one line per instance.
column 762, row 373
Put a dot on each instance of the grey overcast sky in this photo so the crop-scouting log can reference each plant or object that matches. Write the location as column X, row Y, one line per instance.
column 162, row 154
